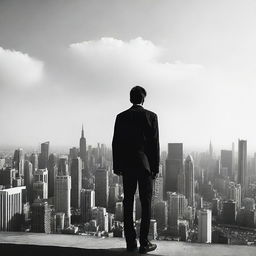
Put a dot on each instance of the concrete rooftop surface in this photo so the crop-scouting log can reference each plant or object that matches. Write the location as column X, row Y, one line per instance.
column 16, row 243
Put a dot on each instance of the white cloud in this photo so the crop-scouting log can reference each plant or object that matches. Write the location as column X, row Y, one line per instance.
column 19, row 69
column 114, row 61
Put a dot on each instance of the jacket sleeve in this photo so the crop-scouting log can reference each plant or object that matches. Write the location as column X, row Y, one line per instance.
column 115, row 148
column 155, row 145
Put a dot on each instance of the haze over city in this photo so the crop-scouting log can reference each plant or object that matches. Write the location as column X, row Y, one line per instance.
column 64, row 63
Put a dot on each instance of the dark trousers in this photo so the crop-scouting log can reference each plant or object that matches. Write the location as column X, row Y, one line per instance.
column 145, row 181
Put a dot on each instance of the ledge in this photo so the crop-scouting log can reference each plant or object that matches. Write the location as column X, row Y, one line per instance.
column 28, row 244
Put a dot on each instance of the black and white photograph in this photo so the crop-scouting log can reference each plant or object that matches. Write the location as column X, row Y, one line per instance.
column 128, row 127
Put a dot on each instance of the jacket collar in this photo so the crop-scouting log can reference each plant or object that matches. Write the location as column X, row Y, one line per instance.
column 136, row 106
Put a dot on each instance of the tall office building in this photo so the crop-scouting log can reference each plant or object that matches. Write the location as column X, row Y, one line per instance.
column 34, row 161
column 10, row 208
column 101, row 188
column 215, row 206
column 226, row 159
column 76, row 182
column 83, row 148
column 7, row 177
column 44, row 155
column 233, row 162
column 234, row 193
column 173, row 201
column 113, row 197
column 63, row 166
column 161, row 215
column 41, row 217
column 28, row 178
column 62, row 193
column 174, row 166
column 158, row 186
column 18, row 161
column 73, row 153
column 190, row 181
column 119, row 211
column 100, row 214
column 242, row 165
column 205, row 226
column 52, row 173
column 181, row 182
column 40, row 184
column 87, row 203
column 229, row 212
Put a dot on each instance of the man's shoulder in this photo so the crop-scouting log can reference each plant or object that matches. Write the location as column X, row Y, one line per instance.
column 144, row 110
column 151, row 113
column 123, row 113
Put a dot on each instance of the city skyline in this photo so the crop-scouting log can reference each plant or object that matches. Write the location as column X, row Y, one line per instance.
column 199, row 197
column 77, row 62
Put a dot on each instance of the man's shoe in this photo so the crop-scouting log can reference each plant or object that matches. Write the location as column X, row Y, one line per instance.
column 147, row 248
column 132, row 247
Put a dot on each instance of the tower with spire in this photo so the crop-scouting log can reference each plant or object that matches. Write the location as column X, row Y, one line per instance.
column 82, row 148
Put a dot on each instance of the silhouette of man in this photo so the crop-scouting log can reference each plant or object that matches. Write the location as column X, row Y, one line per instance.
column 135, row 148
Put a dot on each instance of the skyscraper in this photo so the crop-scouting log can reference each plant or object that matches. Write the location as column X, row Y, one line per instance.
column 40, row 184
column 100, row 214
column 44, row 155
column 173, row 212
column 87, row 203
column 73, row 153
column 83, row 148
column 28, row 178
column 52, row 172
column 18, row 161
column 158, row 188
column 242, row 165
column 119, row 211
column 101, row 188
column 113, row 197
column 41, row 217
column 161, row 215
column 234, row 193
column 229, row 212
column 62, row 196
column 7, row 177
column 34, row 161
column 76, row 181
column 190, row 181
column 62, row 192
column 205, row 226
column 10, row 208
column 63, row 166
column 174, row 166
column 226, row 157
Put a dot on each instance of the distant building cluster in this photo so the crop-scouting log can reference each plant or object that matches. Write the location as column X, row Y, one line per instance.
column 197, row 197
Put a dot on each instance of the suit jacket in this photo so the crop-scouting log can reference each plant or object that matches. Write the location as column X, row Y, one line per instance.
column 135, row 142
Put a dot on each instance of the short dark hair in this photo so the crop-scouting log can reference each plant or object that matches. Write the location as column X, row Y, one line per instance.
column 137, row 95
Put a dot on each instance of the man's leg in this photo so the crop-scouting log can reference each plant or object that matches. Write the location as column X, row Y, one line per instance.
column 129, row 185
column 145, row 191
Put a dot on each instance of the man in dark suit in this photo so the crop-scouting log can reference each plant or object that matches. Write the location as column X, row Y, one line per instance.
column 135, row 148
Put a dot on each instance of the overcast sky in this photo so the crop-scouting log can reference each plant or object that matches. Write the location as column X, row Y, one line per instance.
column 64, row 63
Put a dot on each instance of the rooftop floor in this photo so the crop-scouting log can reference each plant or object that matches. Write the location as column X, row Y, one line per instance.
column 15, row 243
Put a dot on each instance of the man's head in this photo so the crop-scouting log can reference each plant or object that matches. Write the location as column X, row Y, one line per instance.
column 137, row 95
